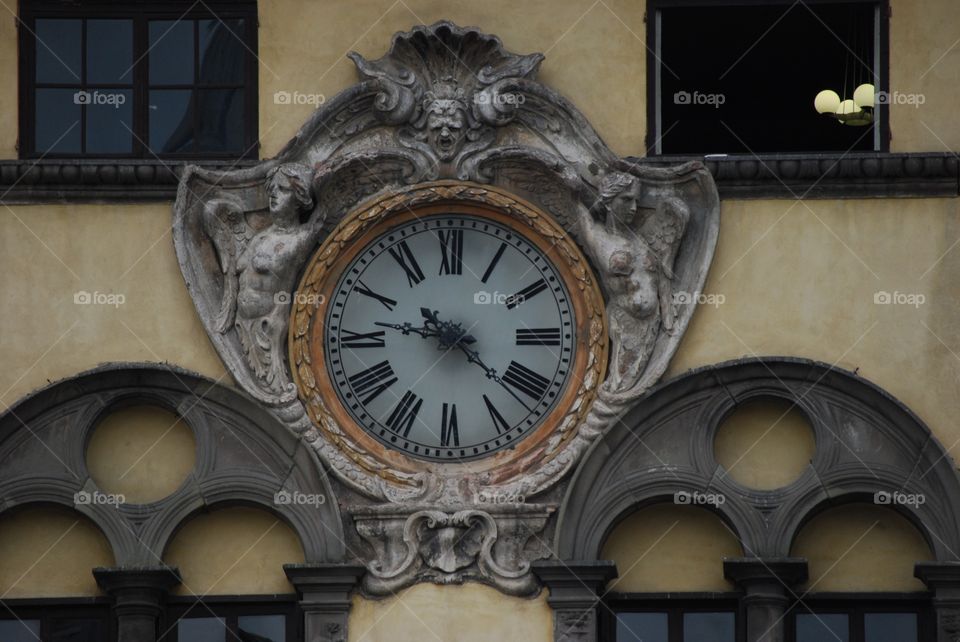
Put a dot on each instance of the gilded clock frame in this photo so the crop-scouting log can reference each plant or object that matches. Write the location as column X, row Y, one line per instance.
column 351, row 236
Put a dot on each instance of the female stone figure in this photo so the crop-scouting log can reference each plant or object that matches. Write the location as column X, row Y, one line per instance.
column 259, row 268
column 635, row 248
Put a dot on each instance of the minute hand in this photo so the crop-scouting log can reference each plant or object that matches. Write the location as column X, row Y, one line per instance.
column 474, row 357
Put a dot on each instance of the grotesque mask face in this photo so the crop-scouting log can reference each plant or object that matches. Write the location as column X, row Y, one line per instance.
column 445, row 126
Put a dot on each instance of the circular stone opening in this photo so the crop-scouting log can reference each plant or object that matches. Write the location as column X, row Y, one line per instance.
column 765, row 444
column 142, row 452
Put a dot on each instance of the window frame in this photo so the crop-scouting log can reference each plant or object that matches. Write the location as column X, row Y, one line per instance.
column 230, row 607
column 675, row 605
column 856, row 605
column 882, row 133
column 140, row 12
column 48, row 609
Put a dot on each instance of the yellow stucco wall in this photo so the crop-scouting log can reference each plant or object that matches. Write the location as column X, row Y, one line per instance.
column 50, row 253
column 50, row 552
column 142, row 452
column 925, row 61
column 595, row 53
column 670, row 548
column 861, row 547
column 764, row 444
column 234, row 551
column 468, row 613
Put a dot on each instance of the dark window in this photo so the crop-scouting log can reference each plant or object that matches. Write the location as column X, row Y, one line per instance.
column 247, row 619
column 138, row 80
column 740, row 76
column 859, row 620
column 71, row 620
column 643, row 619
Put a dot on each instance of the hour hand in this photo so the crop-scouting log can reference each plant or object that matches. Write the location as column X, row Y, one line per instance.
column 408, row 328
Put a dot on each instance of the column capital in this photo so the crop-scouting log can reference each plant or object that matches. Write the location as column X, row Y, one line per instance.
column 324, row 590
column 938, row 575
column 117, row 579
column 573, row 583
column 749, row 571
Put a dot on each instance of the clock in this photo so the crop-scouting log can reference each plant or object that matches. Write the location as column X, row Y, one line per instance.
column 453, row 325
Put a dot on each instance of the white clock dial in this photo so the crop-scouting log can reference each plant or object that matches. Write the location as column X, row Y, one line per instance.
column 449, row 337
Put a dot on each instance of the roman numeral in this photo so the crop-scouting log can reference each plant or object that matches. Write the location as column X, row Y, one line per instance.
column 372, row 381
column 404, row 257
column 498, row 421
column 449, row 433
column 405, row 413
column 373, row 339
column 526, row 380
column 538, row 336
column 526, row 293
column 493, row 263
column 451, row 250
column 387, row 302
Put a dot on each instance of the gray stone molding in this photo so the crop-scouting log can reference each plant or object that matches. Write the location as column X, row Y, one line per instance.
column 324, row 591
column 244, row 456
column 575, row 590
column 768, row 587
column 139, row 596
column 774, row 176
column 866, row 443
column 943, row 579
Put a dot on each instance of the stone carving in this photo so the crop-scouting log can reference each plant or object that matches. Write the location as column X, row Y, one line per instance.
column 259, row 268
column 575, row 625
column 449, row 106
column 635, row 248
column 493, row 545
column 446, row 89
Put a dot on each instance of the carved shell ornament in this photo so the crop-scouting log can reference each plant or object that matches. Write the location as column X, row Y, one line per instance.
column 447, row 129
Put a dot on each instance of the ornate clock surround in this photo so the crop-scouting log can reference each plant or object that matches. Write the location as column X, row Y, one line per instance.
column 447, row 112
column 352, row 234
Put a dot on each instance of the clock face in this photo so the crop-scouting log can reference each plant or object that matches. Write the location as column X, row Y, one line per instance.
column 449, row 337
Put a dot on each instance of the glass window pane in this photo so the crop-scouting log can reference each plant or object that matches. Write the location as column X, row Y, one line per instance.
column 222, row 52
column 58, row 50
column 716, row 627
column 220, row 120
column 267, row 628
column 57, row 121
column 77, row 631
column 171, row 52
column 641, row 627
column 171, row 121
column 110, row 51
column 110, row 121
column 823, row 627
column 19, row 630
column 202, row 629
column 890, row 627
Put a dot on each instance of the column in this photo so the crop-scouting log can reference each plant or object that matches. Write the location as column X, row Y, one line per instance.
column 943, row 578
column 768, row 586
column 139, row 597
column 324, row 591
column 575, row 592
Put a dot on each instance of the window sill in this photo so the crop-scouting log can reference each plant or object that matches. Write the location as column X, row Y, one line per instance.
column 96, row 181
column 827, row 175
column 779, row 176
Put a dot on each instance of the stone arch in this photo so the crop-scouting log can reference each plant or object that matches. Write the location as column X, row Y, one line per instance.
column 245, row 456
column 867, row 442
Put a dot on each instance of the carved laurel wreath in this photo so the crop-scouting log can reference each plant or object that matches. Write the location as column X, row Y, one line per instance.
column 353, row 226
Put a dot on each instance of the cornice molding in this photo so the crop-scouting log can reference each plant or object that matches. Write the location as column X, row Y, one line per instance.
column 812, row 176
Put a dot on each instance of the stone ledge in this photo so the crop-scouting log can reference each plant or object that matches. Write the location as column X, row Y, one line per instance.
column 834, row 175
